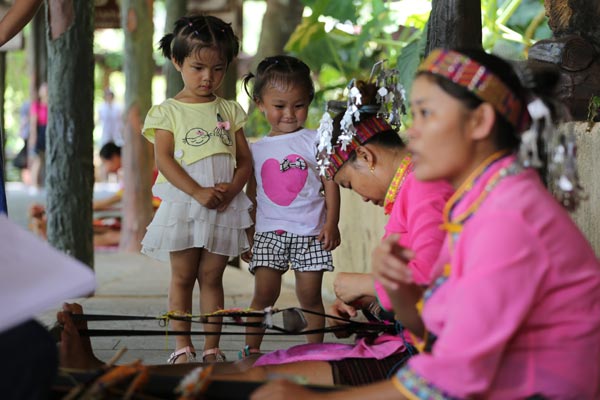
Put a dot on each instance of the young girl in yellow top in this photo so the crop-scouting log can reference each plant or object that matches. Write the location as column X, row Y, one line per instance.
column 204, row 162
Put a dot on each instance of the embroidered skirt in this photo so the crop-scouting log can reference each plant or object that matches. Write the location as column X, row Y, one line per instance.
column 364, row 371
column 181, row 222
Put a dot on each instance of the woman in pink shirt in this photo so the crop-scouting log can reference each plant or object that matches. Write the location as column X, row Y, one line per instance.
column 514, row 311
column 37, row 136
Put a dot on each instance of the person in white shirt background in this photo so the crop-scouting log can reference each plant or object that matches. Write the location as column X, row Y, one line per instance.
column 110, row 116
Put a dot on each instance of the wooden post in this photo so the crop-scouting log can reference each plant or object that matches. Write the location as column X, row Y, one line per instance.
column 69, row 142
column 453, row 24
column 574, row 50
column 137, row 153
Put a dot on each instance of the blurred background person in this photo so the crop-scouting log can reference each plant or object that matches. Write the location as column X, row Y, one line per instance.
column 37, row 136
column 110, row 116
column 20, row 160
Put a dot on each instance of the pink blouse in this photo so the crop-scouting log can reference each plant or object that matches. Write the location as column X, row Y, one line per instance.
column 40, row 110
column 417, row 216
column 520, row 312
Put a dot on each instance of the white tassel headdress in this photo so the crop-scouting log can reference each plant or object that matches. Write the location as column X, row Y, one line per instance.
column 559, row 151
column 390, row 106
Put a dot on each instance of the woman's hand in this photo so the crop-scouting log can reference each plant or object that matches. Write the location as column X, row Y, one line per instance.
column 330, row 236
column 390, row 261
column 351, row 286
column 341, row 310
column 209, row 197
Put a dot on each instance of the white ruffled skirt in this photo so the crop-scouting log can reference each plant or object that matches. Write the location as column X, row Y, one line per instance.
column 181, row 222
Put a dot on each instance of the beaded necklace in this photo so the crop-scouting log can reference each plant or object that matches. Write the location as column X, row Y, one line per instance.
column 399, row 177
column 455, row 225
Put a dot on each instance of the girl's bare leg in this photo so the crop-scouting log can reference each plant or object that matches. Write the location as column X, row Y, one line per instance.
column 184, row 272
column 210, row 278
column 308, row 292
column 267, row 287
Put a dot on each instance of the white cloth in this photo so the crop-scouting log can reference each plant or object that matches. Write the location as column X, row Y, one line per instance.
column 34, row 276
column 288, row 196
column 181, row 222
column 111, row 119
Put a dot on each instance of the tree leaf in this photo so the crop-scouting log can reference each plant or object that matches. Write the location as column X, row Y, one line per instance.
column 315, row 47
column 409, row 60
column 340, row 10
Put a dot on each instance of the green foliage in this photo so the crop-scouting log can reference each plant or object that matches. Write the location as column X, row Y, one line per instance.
column 17, row 92
column 257, row 125
column 341, row 10
column 409, row 59
column 341, row 40
column 114, row 60
column 407, row 64
column 510, row 27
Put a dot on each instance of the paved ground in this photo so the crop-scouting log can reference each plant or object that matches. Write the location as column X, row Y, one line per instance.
column 133, row 284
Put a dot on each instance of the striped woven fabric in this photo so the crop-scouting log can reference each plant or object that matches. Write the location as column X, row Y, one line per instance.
column 364, row 131
column 477, row 79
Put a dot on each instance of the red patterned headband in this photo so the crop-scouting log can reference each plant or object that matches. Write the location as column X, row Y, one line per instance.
column 477, row 79
column 364, row 131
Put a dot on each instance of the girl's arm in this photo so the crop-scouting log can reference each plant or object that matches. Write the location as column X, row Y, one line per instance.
column 242, row 172
column 330, row 234
column 251, row 193
column 164, row 146
column 243, row 159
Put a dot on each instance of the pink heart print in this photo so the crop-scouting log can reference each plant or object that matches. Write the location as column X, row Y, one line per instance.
column 283, row 187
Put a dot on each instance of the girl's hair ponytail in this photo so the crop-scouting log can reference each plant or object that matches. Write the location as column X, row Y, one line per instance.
column 165, row 45
column 246, row 81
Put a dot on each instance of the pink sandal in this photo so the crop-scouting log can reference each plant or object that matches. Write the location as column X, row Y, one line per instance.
column 189, row 352
column 219, row 356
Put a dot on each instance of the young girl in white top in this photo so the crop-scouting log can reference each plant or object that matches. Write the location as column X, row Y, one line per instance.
column 204, row 162
column 295, row 224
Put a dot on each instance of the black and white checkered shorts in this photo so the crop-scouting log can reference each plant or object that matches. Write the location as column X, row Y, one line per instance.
column 282, row 250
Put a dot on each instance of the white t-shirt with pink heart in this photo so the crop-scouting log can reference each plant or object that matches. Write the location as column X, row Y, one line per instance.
column 288, row 185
